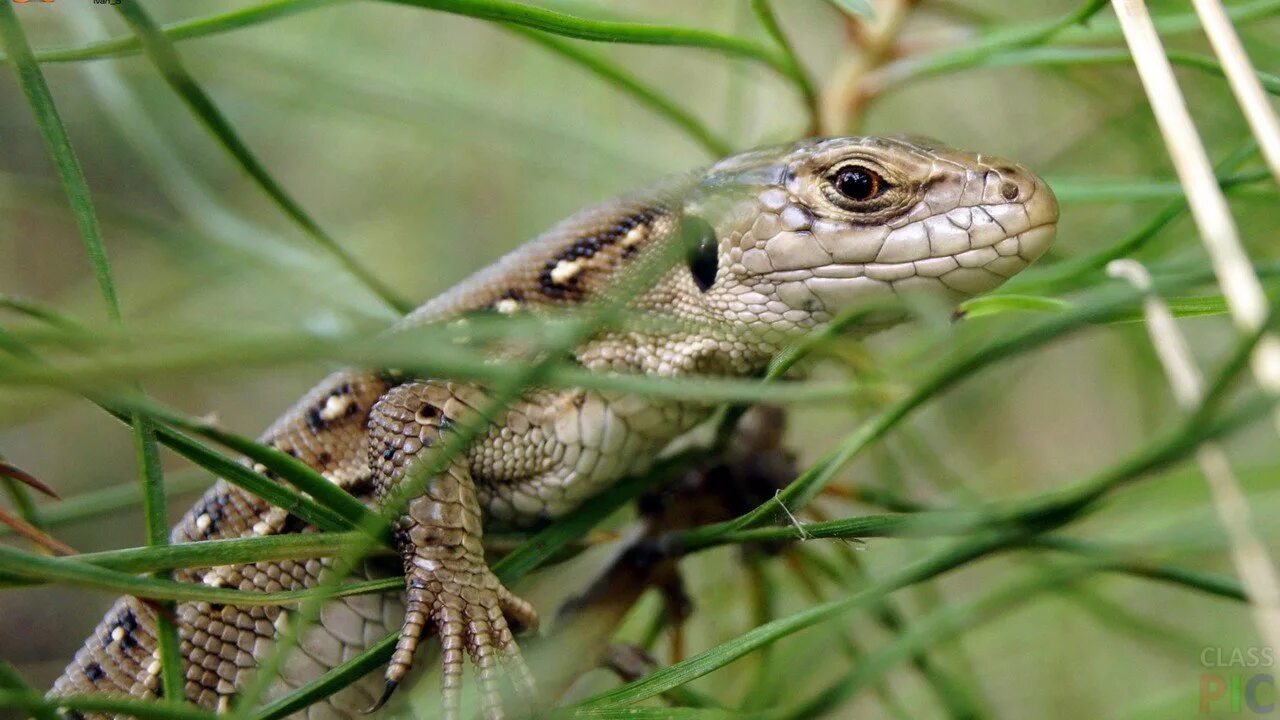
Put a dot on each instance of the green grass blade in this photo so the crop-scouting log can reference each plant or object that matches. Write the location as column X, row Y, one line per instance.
column 795, row 69
column 559, row 23
column 633, row 86
column 241, row 476
column 291, row 469
column 114, row 705
column 707, row 661
column 165, row 58
column 58, row 143
column 69, row 571
column 155, row 512
column 373, row 657
column 13, row 682
column 183, row 30
column 210, row 553
column 107, row 501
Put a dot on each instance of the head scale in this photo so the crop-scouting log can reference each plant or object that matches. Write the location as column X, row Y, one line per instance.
column 807, row 231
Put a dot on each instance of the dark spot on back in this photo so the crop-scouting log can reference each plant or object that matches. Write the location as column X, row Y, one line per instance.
column 314, row 421
column 293, row 524
column 94, row 672
column 586, row 247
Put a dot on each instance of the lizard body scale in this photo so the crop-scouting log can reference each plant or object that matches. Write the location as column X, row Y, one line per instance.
column 794, row 236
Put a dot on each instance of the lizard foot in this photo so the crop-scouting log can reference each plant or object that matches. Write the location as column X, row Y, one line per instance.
column 450, row 589
column 469, row 608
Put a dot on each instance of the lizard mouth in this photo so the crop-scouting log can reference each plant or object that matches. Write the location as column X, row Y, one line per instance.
column 963, row 252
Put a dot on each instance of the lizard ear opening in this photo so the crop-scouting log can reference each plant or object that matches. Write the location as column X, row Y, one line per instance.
column 703, row 251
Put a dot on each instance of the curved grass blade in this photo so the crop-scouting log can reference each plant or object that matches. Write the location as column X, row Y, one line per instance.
column 633, row 86
column 183, row 30
column 71, row 175
column 373, row 657
column 559, row 23
column 58, row 144
column 166, row 60
column 29, row 566
column 34, row 534
column 211, row 553
column 795, row 69
column 43, row 707
column 8, row 470
column 12, row 681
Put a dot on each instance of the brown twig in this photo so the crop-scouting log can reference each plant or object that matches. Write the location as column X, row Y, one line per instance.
column 35, row 534
column 15, row 473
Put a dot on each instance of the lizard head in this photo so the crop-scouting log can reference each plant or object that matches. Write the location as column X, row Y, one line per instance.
column 796, row 235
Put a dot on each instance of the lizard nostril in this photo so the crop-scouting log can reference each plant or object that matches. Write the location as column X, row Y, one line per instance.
column 1009, row 190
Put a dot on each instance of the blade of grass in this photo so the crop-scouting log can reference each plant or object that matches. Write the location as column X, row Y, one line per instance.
column 660, row 681
column 167, row 62
column 12, row 681
column 14, row 42
column 795, row 69
column 538, row 18
column 114, row 705
column 156, row 513
column 71, row 175
column 373, row 657
column 1062, row 275
column 211, row 553
column 25, row 529
column 934, row 628
column 107, row 501
column 184, row 30
column 10, row 472
column 1039, row 516
column 69, row 571
column 622, row 79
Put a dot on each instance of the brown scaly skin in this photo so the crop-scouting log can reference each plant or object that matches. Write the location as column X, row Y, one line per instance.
column 791, row 237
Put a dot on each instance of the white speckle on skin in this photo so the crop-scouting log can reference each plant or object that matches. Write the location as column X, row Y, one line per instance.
column 634, row 236
column 117, row 635
column 203, row 523
column 565, row 270
column 261, row 528
column 507, row 306
column 335, row 407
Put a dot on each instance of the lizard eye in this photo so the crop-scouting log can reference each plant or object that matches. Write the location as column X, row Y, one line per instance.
column 858, row 183
column 703, row 251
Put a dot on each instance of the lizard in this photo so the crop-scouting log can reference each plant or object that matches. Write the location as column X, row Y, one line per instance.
column 784, row 240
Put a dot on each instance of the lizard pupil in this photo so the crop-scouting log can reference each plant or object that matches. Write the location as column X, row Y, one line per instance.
column 857, row 183
column 703, row 256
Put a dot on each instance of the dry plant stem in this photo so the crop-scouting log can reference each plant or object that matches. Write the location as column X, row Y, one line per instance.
column 1248, row 553
column 35, row 534
column 1243, row 79
column 1240, row 285
column 842, row 101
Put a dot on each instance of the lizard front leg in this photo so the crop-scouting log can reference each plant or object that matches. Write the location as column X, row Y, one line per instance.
column 450, row 587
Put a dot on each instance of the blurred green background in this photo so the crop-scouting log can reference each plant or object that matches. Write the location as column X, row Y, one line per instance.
column 429, row 144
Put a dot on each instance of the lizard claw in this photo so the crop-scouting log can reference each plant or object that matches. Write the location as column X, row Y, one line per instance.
column 386, row 695
column 468, row 607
